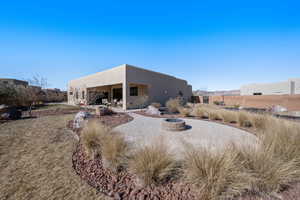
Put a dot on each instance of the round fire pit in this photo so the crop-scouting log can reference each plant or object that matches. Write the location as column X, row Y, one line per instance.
column 173, row 124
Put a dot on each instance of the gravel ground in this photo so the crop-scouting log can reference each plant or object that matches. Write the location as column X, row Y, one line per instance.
column 146, row 130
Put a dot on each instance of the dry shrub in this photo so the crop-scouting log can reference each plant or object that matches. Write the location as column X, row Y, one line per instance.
column 264, row 169
column 283, row 137
column 269, row 173
column 229, row 116
column 260, row 122
column 200, row 111
column 190, row 105
column 216, row 174
column 275, row 163
column 215, row 114
column 174, row 104
column 93, row 135
column 156, row 105
column 115, row 152
column 244, row 119
column 153, row 164
column 184, row 111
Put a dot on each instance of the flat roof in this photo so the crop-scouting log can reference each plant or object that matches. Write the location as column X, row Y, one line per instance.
column 127, row 65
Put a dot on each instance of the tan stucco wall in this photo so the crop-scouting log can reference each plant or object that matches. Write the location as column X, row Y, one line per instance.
column 142, row 98
column 161, row 87
column 158, row 87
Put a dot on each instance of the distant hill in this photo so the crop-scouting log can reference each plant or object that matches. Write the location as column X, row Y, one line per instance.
column 217, row 93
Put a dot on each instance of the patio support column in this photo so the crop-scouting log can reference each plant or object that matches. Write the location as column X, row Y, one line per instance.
column 125, row 94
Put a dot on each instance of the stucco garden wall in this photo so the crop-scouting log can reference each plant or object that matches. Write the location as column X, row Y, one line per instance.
column 291, row 102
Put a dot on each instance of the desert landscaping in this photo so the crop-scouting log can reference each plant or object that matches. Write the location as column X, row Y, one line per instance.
column 205, row 152
column 227, row 155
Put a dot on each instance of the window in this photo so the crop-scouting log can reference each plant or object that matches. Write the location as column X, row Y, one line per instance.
column 133, row 91
column 257, row 93
column 76, row 94
column 71, row 93
column 83, row 95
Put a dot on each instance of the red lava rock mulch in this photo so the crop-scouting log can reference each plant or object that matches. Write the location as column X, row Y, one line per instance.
column 115, row 119
column 112, row 120
column 122, row 185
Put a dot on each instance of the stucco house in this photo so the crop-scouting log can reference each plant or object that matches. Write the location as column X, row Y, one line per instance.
column 289, row 87
column 128, row 86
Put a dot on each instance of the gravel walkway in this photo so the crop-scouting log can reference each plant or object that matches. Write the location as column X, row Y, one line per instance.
column 146, row 130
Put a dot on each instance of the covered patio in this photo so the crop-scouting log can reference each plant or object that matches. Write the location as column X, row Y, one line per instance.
column 113, row 95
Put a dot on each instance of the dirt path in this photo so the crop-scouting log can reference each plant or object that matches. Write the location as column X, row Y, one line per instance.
column 35, row 161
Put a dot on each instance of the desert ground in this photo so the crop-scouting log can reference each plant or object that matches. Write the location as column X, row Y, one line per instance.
column 36, row 160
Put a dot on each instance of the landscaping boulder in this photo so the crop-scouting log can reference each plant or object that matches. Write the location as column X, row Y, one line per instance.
column 9, row 113
column 153, row 111
column 278, row 108
column 79, row 119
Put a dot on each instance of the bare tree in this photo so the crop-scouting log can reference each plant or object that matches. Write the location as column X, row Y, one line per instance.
column 39, row 81
column 9, row 95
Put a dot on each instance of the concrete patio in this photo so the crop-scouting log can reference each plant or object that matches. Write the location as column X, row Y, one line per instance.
column 147, row 130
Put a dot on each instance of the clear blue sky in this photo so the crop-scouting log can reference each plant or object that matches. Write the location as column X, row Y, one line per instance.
column 213, row 44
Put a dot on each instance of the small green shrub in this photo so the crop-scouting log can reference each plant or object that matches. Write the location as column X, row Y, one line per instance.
column 219, row 103
column 236, row 106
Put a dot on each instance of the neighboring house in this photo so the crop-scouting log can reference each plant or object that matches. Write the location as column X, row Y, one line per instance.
column 8, row 81
column 44, row 95
column 127, row 85
column 290, row 87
